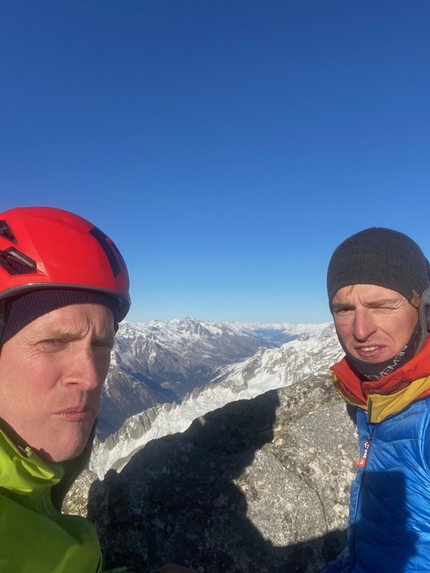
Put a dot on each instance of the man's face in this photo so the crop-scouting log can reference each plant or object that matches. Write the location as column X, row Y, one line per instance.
column 51, row 376
column 374, row 323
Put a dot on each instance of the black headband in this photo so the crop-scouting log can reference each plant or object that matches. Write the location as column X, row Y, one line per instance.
column 20, row 311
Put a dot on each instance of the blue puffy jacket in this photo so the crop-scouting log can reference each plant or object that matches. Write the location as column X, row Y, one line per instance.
column 389, row 524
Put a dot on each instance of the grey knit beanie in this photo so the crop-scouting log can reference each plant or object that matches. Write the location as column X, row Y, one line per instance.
column 381, row 257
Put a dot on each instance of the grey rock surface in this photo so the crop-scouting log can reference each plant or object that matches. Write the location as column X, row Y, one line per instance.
column 257, row 486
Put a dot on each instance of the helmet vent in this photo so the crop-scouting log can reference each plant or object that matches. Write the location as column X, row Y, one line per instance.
column 110, row 249
column 16, row 263
column 6, row 232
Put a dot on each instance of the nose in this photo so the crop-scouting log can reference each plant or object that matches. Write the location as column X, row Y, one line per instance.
column 364, row 325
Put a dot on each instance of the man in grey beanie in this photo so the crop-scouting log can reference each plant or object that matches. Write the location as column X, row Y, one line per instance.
column 378, row 289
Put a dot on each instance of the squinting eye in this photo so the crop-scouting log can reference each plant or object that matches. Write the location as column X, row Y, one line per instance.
column 107, row 345
column 52, row 344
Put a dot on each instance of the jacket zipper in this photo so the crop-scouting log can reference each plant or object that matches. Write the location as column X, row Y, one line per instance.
column 361, row 464
column 362, row 461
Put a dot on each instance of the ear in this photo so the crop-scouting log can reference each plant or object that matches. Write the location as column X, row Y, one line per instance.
column 424, row 316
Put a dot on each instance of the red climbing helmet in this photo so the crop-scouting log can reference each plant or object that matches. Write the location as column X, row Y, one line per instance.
column 43, row 247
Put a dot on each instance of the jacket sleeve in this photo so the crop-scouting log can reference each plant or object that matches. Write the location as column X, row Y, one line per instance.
column 336, row 566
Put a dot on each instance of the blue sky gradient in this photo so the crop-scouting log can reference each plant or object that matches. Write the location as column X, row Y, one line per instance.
column 227, row 146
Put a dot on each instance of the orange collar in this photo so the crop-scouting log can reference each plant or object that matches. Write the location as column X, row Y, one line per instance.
column 356, row 391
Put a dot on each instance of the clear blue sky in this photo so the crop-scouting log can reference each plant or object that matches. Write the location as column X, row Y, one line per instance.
column 226, row 146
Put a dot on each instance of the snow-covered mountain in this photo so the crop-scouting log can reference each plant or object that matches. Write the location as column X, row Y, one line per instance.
column 311, row 354
column 160, row 362
column 314, row 349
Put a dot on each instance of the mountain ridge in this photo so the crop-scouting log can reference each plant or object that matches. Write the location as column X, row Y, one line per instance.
column 310, row 354
column 160, row 362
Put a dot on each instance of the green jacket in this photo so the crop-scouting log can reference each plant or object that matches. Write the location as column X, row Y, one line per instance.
column 35, row 537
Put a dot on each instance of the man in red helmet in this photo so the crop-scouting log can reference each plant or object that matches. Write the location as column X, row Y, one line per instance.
column 63, row 290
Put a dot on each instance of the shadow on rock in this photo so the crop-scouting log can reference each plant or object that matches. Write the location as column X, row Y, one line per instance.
column 177, row 500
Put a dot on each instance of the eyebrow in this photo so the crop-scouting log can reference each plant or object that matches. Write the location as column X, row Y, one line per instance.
column 382, row 301
column 62, row 332
column 369, row 304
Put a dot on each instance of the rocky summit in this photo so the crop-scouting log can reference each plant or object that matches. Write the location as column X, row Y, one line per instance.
column 257, row 486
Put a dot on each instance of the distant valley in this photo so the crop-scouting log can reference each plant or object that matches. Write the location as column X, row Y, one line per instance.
column 166, row 374
column 161, row 362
